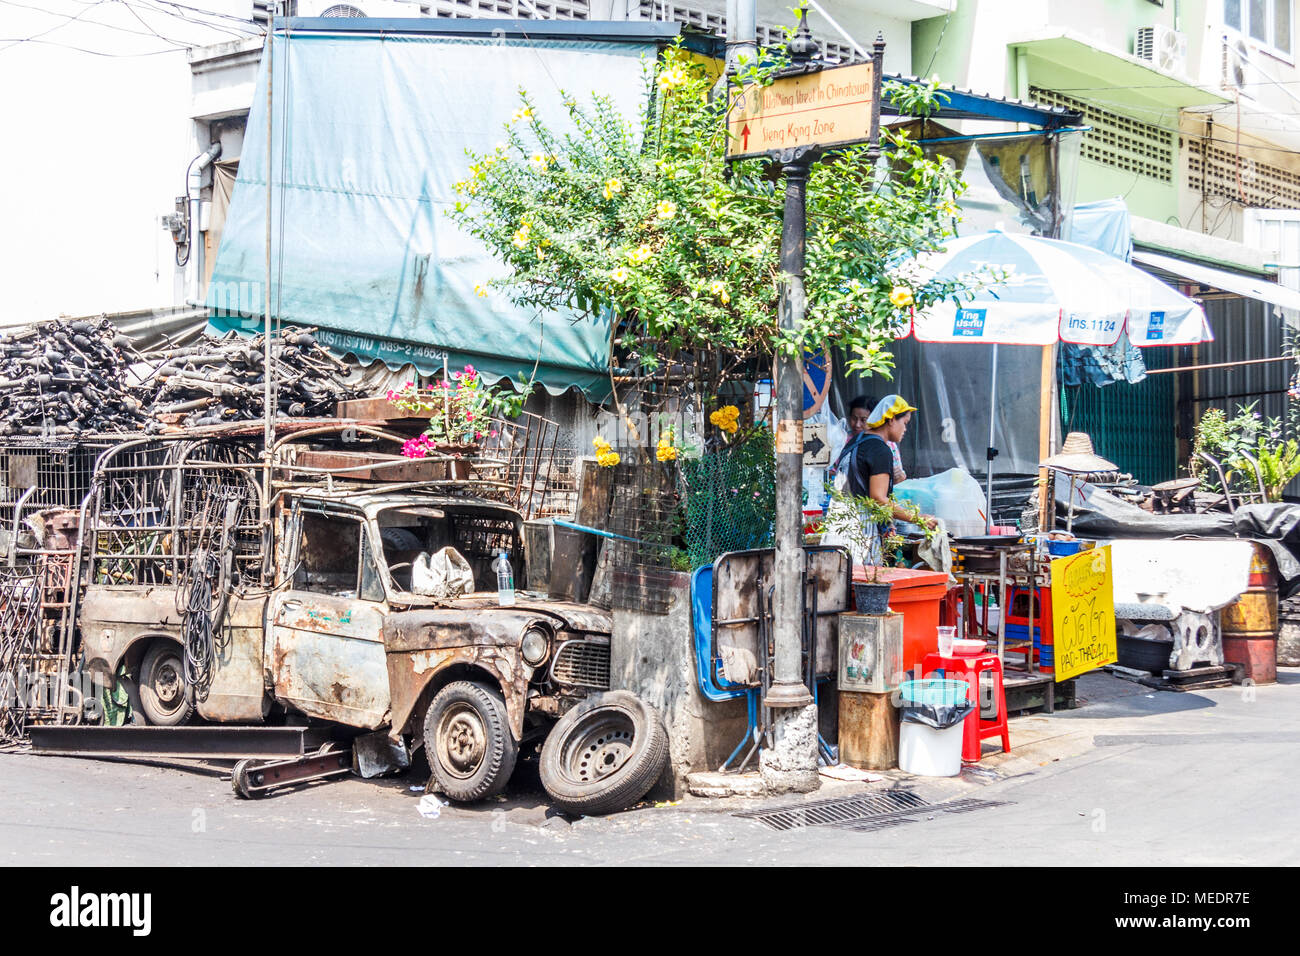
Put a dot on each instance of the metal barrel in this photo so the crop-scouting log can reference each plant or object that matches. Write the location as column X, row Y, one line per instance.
column 1250, row 623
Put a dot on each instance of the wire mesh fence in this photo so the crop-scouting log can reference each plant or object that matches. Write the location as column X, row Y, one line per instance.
column 729, row 499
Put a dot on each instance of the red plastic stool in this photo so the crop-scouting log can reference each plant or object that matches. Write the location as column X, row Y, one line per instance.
column 975, row 729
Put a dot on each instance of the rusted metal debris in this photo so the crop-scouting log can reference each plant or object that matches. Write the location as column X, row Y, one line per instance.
column 68, row 379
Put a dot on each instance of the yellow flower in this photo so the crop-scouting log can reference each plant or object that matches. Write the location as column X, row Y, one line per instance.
column 521, row 114
column 666, row 209
column 901, row 297
column 620, row 275
column 480, row 291
column 640, row 254
column 540, row 160
column 607, row 459
column 666, row 453
column 726, row 418
column 600, row 444
column 613, row 186
column 718, row 288
column 672, row 78
column 520, row 239
column 948, row 207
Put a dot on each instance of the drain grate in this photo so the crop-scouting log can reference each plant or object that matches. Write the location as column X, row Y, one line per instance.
column 869, row 824
column 840, row 810
column 862, row 813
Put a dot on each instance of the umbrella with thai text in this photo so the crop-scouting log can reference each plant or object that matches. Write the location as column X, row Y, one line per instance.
column 1027, row 290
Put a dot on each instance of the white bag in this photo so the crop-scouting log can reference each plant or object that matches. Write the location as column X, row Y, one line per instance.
column 444, row 575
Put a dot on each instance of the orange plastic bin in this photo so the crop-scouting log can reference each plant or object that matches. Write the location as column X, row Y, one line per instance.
column 916, row 595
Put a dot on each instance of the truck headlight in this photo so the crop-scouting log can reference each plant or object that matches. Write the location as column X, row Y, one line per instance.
column 535, row 645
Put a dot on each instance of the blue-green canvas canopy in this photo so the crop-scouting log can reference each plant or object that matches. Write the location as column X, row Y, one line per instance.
column 369, row 133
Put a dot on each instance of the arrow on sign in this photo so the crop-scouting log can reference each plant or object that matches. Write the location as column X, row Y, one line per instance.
column 812, row 446
column 745, row 140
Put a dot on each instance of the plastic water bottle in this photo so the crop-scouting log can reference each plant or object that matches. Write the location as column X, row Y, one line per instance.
column 505, row 580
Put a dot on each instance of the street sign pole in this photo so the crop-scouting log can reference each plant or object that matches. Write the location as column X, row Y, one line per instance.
column 800, row 119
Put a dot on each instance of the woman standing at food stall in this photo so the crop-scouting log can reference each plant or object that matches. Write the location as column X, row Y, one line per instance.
column 871, row 468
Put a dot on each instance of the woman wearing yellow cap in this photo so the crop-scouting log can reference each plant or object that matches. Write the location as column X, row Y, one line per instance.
column 871, row 472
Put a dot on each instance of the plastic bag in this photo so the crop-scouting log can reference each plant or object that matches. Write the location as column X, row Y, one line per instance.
column 952, row 496
column 444, row 575
column 936, row 703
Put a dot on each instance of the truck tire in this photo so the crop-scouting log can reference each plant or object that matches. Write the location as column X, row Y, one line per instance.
column 468, row 742
column 164, row 698
column 604, row 755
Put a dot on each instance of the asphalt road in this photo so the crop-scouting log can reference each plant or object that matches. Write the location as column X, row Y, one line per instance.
column 1134, row 777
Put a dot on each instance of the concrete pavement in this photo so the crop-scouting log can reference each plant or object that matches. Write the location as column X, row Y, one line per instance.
column 1134, row 776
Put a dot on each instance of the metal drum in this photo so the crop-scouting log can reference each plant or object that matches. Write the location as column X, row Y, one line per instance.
column 1250, row 622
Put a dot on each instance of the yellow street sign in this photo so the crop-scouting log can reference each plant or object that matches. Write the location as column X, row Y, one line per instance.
column 832, row 107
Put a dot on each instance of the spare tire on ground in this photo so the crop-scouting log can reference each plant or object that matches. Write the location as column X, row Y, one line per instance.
column 604, row 755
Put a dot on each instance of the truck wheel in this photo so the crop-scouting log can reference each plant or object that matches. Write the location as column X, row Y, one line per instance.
column 604, row 755
column 164, row 698
column 468, row 742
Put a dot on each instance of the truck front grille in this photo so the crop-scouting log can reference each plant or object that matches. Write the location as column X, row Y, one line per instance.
column 583, row 663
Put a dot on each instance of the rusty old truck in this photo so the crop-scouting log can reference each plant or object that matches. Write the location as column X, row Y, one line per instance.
column 223, row 590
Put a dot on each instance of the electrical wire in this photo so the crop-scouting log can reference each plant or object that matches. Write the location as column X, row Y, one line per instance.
column 939, row 44
column 58, row 26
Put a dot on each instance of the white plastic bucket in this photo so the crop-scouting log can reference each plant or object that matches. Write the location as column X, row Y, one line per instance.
column 927, row 752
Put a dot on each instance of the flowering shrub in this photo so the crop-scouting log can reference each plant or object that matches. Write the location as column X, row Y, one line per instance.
column 460, row 411
column 639, row 217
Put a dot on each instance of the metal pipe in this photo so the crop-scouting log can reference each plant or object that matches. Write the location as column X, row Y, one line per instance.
column 991, row 452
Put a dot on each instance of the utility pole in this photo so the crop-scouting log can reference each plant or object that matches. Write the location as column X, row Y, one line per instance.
column 791, row 763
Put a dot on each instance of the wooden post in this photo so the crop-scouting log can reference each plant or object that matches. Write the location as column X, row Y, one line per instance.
column 868, row 731
column 1046, row 409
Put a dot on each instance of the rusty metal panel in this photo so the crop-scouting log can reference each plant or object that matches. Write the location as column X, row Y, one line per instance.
column 736, row 579
column 113, row 617
column 833, row 569
column 410, row 672
column 736, row 582
column 238, row 689
column 328, row 659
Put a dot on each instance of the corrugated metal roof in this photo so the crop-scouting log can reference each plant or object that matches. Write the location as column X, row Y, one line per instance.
column 968, row 104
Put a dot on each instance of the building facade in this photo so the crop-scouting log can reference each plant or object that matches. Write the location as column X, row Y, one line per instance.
column 1192, row 113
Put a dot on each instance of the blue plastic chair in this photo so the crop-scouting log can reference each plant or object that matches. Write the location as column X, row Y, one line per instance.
column 708, row 669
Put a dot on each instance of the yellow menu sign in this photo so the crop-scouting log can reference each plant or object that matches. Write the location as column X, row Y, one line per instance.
column 1083, row 613
column 829, row 108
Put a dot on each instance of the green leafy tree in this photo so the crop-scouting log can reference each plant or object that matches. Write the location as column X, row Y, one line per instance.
column 640, row 216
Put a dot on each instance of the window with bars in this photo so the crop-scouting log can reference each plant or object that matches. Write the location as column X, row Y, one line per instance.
column 1117, row 140
column 1219, row 171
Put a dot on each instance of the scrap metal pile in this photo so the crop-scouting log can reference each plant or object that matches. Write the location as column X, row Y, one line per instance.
column 64, row 379
column 216, row 381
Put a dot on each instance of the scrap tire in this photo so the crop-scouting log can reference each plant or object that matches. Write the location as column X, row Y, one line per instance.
column 468, row 742
column 604, row 755
column 164, row 698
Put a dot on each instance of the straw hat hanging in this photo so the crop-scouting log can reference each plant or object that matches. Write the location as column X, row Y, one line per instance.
column 1077, row 455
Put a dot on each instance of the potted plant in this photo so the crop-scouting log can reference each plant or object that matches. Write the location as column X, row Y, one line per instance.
column 461, row 412
column 867, row 527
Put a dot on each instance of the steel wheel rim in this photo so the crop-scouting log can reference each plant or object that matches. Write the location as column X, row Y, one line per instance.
column 599, row 749
column 461, row 740
column 169, row 692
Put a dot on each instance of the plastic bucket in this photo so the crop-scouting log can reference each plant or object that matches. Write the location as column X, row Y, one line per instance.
column 934, row 692
column 927, row 752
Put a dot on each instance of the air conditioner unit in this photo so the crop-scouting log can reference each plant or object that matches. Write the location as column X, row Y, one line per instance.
column 379, row 9
column 1164, row 48
column 1235, row 57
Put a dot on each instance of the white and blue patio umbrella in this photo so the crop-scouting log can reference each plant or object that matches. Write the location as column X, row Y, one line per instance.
column 1040, row 291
